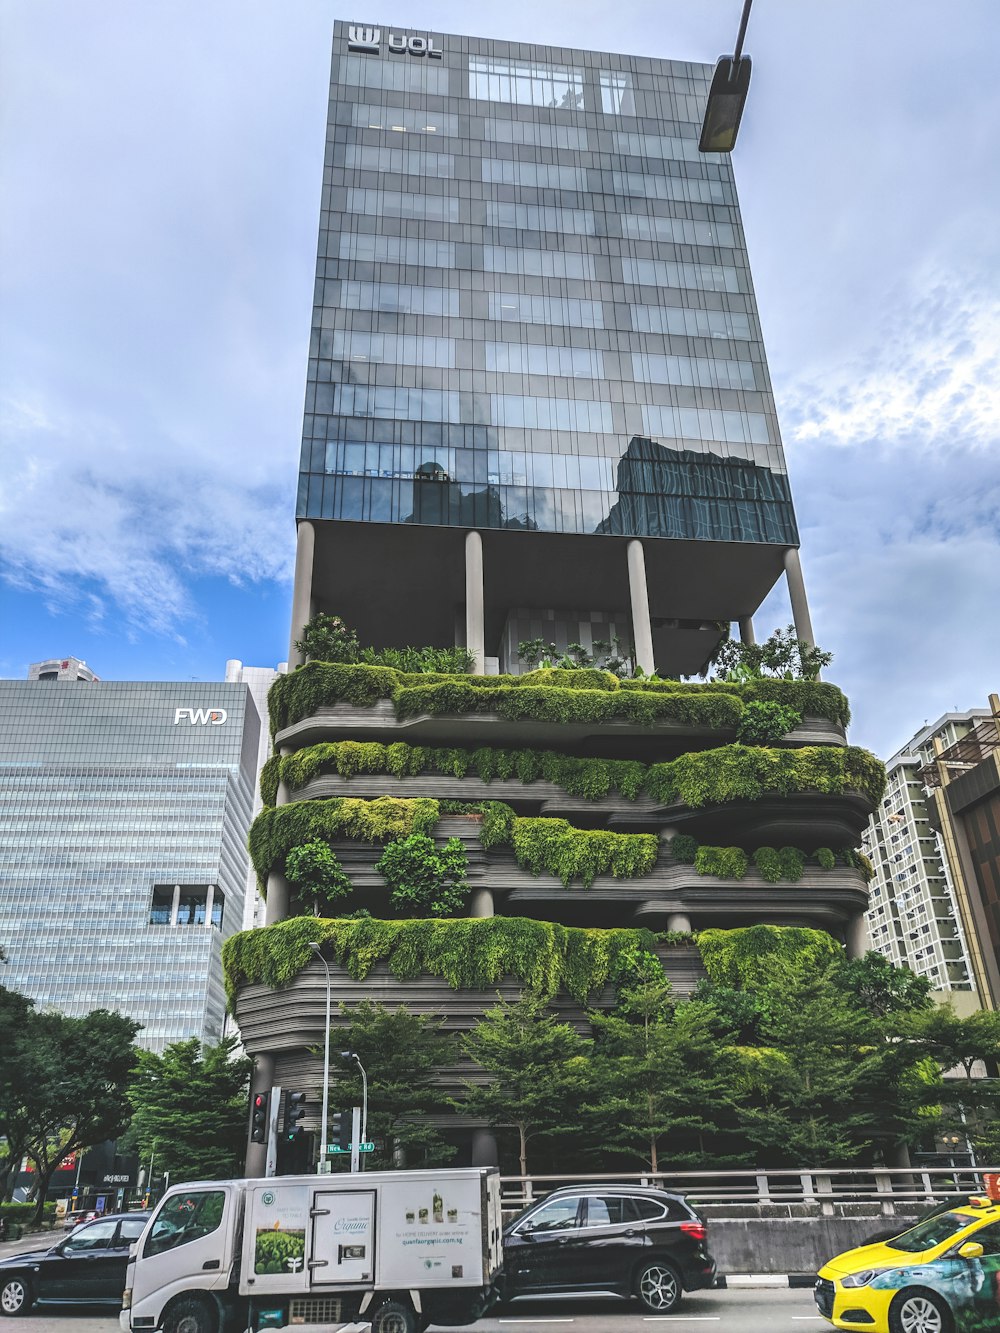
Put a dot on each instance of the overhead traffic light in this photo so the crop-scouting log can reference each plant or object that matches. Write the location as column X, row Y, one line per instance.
column 260, row 1104
column 294, row 1112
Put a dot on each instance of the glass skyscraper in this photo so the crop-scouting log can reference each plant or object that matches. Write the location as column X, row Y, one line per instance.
column 534, row 322
column 124, row 809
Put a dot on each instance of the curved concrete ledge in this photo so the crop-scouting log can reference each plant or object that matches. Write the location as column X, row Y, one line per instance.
column 379, row 723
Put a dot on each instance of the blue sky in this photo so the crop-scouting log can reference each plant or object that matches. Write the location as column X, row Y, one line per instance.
column 160, row 166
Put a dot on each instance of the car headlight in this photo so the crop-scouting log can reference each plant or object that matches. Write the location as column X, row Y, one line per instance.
column 859, row 1279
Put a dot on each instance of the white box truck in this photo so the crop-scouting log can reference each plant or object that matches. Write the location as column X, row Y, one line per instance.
column 401, row 1249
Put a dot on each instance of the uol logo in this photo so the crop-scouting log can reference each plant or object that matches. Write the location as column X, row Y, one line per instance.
column 204, row 717
column 361, row 38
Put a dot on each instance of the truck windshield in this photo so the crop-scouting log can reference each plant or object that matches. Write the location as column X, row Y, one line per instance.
column 184, row 1218
column 933, row 1231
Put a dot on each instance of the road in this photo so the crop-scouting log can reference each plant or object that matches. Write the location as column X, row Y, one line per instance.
column 765, row 1311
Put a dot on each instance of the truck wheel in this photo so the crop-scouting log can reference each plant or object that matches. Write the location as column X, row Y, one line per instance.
column 394, row 1317
column 191, row 1315
column 15, row 1296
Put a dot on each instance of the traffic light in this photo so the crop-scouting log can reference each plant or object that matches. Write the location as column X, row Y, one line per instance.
column 340, row 1130
column 294, row 1112
column 260, row 1104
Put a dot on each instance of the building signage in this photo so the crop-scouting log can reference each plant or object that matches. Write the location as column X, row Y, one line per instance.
column 360, row 38
column 201, row 717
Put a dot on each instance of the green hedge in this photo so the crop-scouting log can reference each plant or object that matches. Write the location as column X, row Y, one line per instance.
column 555, row 847
column 749, row 957
column 470, row 954
column 703, row 777
column 549, row 695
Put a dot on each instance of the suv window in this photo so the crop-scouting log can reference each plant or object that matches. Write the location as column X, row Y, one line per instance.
column 184, row 1218
column 559, row 1215
column 609, row 1210
column 95, row 1237
column 658, row 1210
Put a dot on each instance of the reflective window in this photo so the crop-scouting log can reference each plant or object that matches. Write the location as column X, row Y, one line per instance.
column 608, row 1210
column 184, row 1218
column 397, row 250
column 540, row 263
column 533, row 359
column 657, row 145
column 666, row 273
column 694, row 323
column 411, row 76
column 97, row 1236
column 541, row 136
column 554, row 86
column 411, row 161
column 398, row 204
column 703, row 423
column 549, row 413
column 546, row 310
column 402, row 119
column 407, row 349
column 639, row 227
column 617, row 97
column 131, row 1229
column 652, row 368
column 401, row 404
column 671, row 187
column 399, row 298
column 539, row 174
column 559, row 1215
column 541, row 217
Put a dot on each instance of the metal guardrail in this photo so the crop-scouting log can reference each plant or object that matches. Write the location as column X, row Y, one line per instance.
column 827, row 1187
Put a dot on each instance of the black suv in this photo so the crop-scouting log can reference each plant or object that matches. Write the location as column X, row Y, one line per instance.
column 619, row 1240
column 88, row 1266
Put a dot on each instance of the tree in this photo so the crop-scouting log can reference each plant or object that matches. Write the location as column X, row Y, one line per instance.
column 882, row 988
column 972, row 1045
column 73, row 1090
column 663, row 1078
column 424, row 879
column 538, row 1072
column 190, row 1108
column 15, row 1013
column 315, row 871
column 402, row 1054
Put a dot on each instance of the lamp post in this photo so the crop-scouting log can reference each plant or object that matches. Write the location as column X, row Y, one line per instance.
column 727, row 96
column 326, row 1059
column 353, row 1055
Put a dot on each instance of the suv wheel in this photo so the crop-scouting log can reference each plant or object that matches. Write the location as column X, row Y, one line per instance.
column 658, row 1287
column 15, row 1296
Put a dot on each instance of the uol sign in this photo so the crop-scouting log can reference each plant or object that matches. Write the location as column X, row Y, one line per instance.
column 203, row 717
column 360, row 38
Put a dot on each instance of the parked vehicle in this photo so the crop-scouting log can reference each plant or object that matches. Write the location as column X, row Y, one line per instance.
column 618, row 1240
column 400, row 1248
column 940, row 1276
column 87, row 1266
column 78, row 1215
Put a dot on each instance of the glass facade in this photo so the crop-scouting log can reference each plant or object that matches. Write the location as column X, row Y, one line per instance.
column 124, row 810
column 533, row 303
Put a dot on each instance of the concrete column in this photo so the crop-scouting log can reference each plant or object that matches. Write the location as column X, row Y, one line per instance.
column 475, row 602
column 481, row 904
column 261, row 1081
column 209, row 904
column 276, row 907
column 484, row 1148
column 175, row 906
column 642, row 629
column 305, row 550
column 856, row 936
column 797, row 596
column 679, row 921
column 746, row 630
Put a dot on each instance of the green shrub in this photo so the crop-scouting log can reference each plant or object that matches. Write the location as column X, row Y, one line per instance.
column 553, row 846
column 584, row 678
column 766, row 723
column 684, row 848
column 315, row 870
column 329, row 639
column 768, row 864
column 825, row 858
column 792, row 863
column 270, row 775
column 756, row 957
column 746, row 772
column 726, row 862
column 424, row 879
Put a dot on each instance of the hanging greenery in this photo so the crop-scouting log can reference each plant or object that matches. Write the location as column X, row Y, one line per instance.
column 748, row 957
column 555, row 847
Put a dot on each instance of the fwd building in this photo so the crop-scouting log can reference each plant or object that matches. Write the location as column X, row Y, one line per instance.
column 537, row 408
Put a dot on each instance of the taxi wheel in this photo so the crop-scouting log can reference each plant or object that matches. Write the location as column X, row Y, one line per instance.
column 919, row 1311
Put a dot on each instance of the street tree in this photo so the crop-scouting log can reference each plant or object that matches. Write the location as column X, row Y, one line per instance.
column 15, row 1013
column 537, row 1072
column 970, row 1102
column 190, row 1108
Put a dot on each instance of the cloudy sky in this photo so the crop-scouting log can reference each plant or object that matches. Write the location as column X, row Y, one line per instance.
column 160, row 166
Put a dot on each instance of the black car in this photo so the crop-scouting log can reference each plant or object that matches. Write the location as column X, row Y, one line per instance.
column 618, row 1240
column 88, row 1266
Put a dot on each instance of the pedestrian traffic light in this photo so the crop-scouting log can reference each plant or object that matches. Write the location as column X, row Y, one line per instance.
column 294, row 1112
column 340, row 1130
column 259, row 1105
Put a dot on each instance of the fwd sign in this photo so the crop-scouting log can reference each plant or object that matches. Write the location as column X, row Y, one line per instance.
column 201, row 717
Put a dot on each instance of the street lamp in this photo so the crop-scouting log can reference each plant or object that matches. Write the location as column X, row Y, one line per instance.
column 353, row 1055
column 326, row 1060
column 727, row 96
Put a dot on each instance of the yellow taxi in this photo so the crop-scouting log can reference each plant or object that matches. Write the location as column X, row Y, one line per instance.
column 941, row 1276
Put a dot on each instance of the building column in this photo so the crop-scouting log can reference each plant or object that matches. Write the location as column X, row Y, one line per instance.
column 475, row 602
column 261, row 1081
column 481, row 904
column 175, row 906
column 746, row 630
column 642, row 629
column 209, row 904
column 679, row 921
column 305, row 551
column 484, row 1148
column 856, row 936
column 797, row 596
column 276, row 904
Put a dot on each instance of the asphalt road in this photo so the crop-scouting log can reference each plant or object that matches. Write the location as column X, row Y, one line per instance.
column 763, row 1311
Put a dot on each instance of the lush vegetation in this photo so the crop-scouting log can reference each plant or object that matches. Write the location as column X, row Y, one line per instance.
column 424, row 879
column 316, row 873
column 553, row 696
column 330, row 639
column 783, row 655
column 701, row 777
column 766, row 723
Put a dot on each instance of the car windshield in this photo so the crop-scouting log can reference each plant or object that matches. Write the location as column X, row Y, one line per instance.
column 925, row 1235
